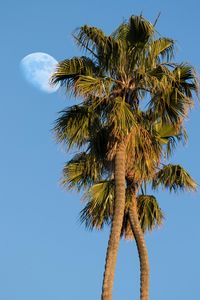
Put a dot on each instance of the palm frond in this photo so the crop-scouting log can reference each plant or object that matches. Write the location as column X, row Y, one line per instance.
column 81, row 171
column 186, row 79
column 99, row 144
column 174, row 178
column 74, row 125
column 169, row 136
column 107, row 51
column 175, row 97
column 69, row 70
column 93, row 86
column 170, row 107
column 120, row 117
column 162, row 49
column 99, row 207
column 143, row 153
column 90, row 39
column 165, row 131
column 121, row 32
column 150, row 214
column 140, row 30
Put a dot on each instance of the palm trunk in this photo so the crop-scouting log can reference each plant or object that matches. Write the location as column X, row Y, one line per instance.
column 118, row 214
column 142, row 249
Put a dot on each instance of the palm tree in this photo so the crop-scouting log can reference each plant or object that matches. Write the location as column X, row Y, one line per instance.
column 122, row 69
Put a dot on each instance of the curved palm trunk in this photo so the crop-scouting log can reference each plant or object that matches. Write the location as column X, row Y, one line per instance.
column 118, row 214
column 142, row 249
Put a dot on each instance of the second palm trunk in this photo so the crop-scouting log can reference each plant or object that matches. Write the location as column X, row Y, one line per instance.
column 118, row 214
column 141, row 247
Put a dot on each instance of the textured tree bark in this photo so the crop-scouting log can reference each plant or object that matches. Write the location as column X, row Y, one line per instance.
column 142, row 249
column 118, row 214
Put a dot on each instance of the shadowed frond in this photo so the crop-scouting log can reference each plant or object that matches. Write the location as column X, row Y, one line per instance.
column 174, row 177
column 74, row 125
column 81, row 172
column 186, row 80
column 140, row 30
column 149, row 212
column 137, row 30
column 135, row 34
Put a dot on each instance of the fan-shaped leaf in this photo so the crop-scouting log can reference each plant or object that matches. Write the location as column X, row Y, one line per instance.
column 174, row 177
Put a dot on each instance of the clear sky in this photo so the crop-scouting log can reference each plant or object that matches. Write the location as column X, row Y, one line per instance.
column 44, row 252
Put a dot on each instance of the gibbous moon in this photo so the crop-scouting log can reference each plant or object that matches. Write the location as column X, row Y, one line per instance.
column 37, row 68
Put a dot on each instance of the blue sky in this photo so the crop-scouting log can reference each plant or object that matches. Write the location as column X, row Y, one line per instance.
column 44, row 252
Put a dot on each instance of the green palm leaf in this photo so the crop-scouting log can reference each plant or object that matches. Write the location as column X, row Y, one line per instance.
column 173, row 96
column 150, row 214
column 144, row 149
column 81, row 171
column 74, row 125
column 105, row 49
column 99, row 207
column 174, row 177
column 69, row 70
column 120, row 117
column 93, row 86
column 162, row 48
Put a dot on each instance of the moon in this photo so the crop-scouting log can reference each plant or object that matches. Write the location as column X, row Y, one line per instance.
column 37, row 69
